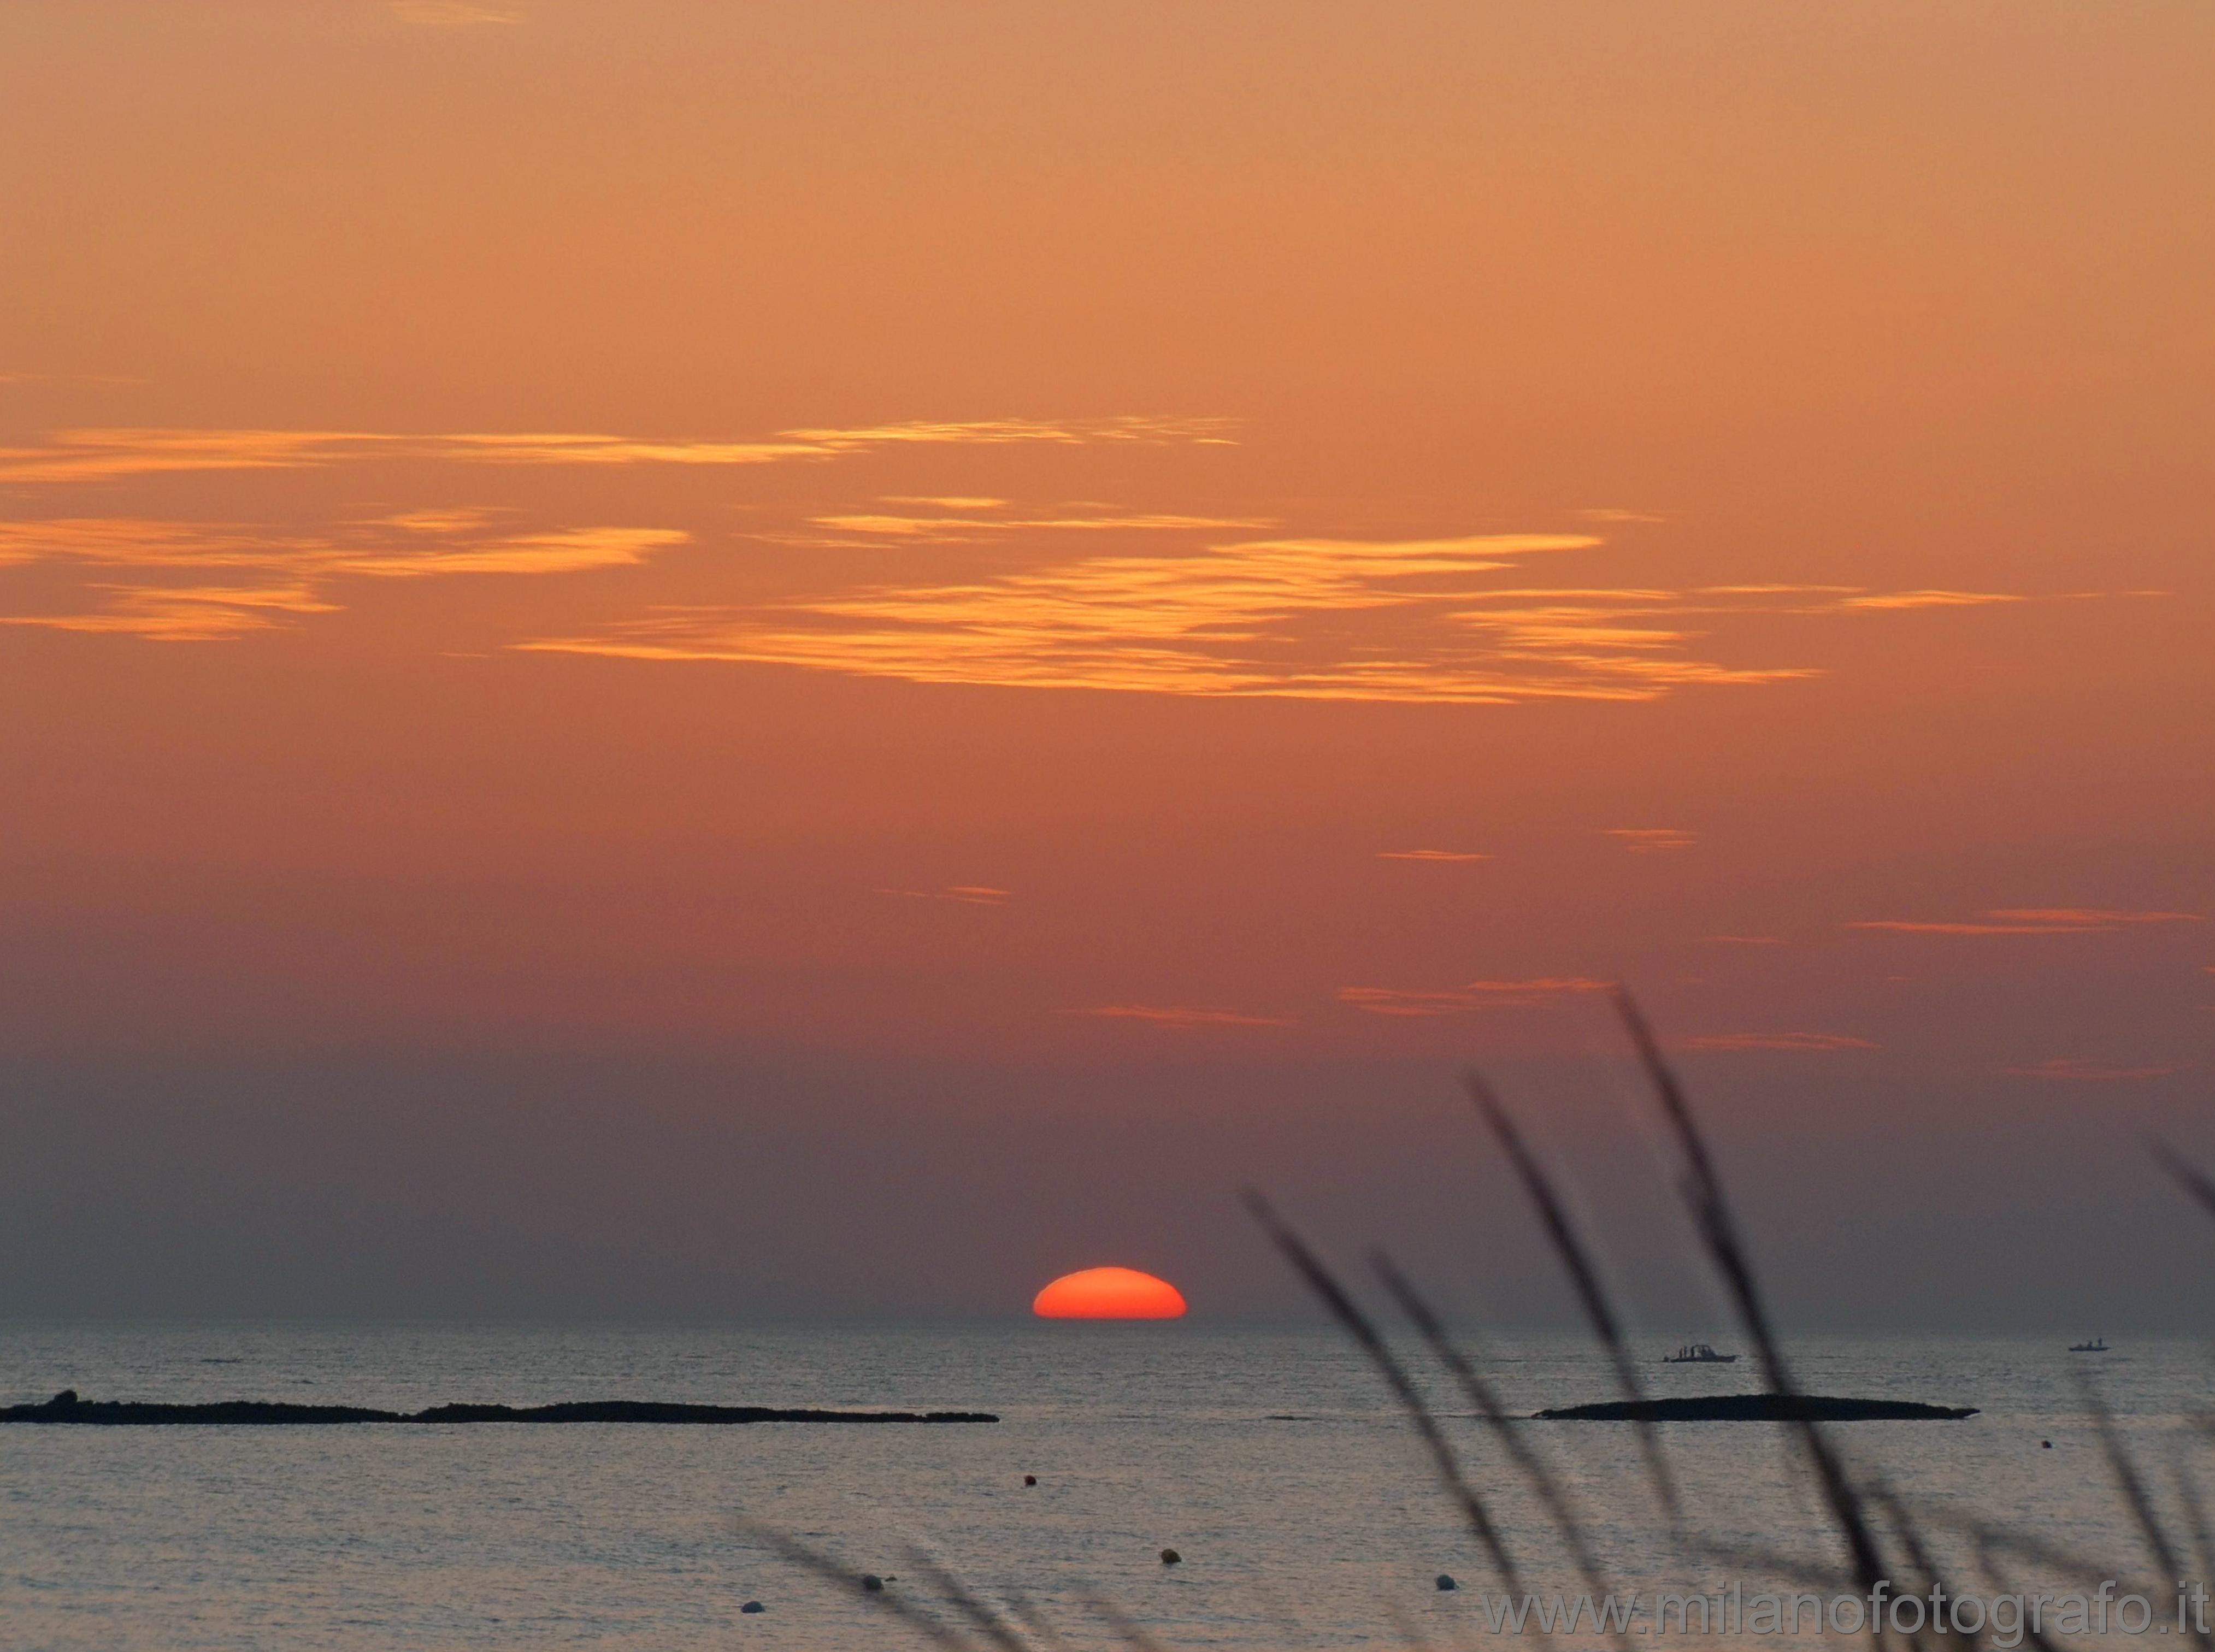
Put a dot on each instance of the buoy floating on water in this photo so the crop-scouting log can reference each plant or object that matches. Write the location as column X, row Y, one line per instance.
column 753, row 1606
column 1171, row 1558
column 1445, row 1581
column 1030, row 1479
column 872, row 1584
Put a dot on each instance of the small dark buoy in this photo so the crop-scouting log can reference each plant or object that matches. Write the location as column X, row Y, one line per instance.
column 753, row 1606
column 1030, row 1479
column 2047, row 1444
column 1171, row 1558
column 872, row 1584
column 1445, row 1581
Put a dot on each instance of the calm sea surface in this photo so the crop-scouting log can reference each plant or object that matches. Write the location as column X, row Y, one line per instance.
column 1269, row 1459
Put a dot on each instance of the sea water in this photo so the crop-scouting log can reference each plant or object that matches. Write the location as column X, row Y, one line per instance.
column 1271, row 1460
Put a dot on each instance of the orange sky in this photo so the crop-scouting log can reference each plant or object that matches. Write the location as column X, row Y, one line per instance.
column 1004, row 562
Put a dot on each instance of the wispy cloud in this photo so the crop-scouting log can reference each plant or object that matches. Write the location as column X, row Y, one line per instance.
column 1810, row 597
column 1475, row 995
column 73, row 456
column 1312, row 618
column 2028, row 920
column 1915, row 926
column 1908, row 599
column 272, row 577
column 185, row 613
column 1185, row 1016
column 1804, row 1043
column 403, row 547
column 2077, row 1068
column 1234, row 606
column 1650, row 840
column 455, row 14
column 1431, row 854
column 99, row 455
column 972, row 529
column 2090, row 916
column 1139, row 428
column 961, row 894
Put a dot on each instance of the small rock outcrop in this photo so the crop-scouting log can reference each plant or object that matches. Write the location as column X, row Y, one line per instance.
column 1758, row 1408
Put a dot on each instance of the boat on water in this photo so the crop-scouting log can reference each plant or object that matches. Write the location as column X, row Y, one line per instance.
column 1699, row 1354
column 2097, row 1345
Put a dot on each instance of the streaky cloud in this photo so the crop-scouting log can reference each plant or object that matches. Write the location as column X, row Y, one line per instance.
column 1650, row 840
column 989, row 432
column 2029, row 920
column 2076, row 1068
column 456, row 14
column 278, row 577
column 107, row 453
column 1185, row 1016
column 1318, row 618
column 184, row 613
column 1805, row 1043
column 1475, row 995
column 968, row 529
column 2103, row 916
column 1908, row 599
column 960, row 894
column 1916, row 926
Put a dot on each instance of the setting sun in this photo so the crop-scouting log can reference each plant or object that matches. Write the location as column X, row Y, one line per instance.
column 1109, row 1294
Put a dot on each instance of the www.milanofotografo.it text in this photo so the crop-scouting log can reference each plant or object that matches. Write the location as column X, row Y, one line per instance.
column 2006, row 1620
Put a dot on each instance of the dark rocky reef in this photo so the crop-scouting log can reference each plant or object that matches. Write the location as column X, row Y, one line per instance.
column 1758, row 1408
column 66, row 1408
column 650, row 1411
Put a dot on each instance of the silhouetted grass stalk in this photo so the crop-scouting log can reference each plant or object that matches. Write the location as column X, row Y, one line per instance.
column 1857, row 1513
column 1444, row 1459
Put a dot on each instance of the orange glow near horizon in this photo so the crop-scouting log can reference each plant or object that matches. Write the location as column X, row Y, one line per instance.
column 1109, row 1294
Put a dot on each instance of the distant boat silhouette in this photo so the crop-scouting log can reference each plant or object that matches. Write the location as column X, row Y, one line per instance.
column 2097, row 1345
column 1699, row 1354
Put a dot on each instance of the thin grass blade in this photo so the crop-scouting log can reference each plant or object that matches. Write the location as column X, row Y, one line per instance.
column 1482, row 1394
column 800, row 1554
column 1126, row 1630
column 1592, row 1294
column 2128, row 1482
column 995, row 1629
column 1718, row 1232
column 2195, row 1184
column 1443, row 1460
